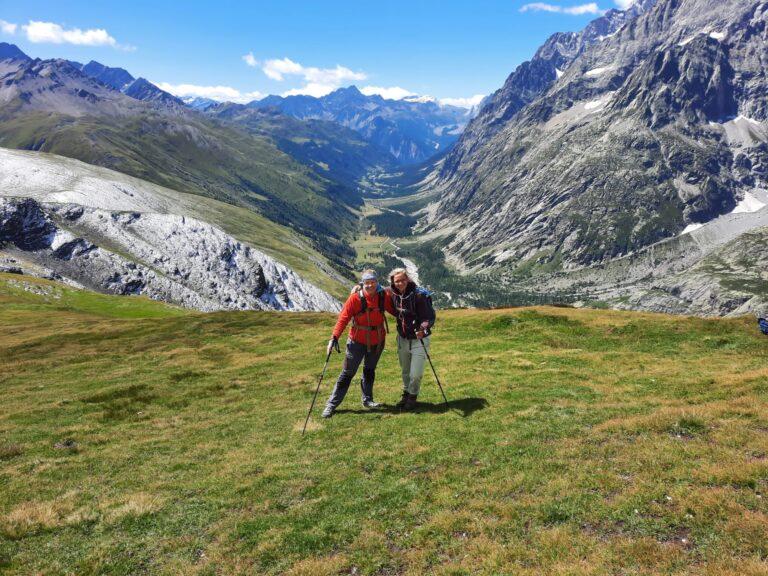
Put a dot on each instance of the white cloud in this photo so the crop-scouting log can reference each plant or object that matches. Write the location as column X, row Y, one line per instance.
column 218, row 93
column 463, row 102
column 250, row 59
column 624, row 4
column 391, row 93
column 278, row 69
column 590, row 8
column 335, row 76
column 49, row 32
column 8, row 27
column 317, row 81
column 311, row 89
column 541, row 7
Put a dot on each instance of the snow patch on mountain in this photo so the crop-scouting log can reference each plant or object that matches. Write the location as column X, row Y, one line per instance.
column 719, row 36
column 691, row 228
column 748, row 204
column 598, row 71
column 743, row 131
column 594, row 104
column 750, row 120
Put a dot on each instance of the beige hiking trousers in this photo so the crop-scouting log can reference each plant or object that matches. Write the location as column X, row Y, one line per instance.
column 412, row 360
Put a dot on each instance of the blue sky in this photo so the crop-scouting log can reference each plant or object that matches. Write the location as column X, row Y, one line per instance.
column 242, row 50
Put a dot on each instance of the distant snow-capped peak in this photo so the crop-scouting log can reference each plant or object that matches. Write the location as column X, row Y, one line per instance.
column 420, row 99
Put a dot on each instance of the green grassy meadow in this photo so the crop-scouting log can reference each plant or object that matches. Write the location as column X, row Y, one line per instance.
column 136, row 438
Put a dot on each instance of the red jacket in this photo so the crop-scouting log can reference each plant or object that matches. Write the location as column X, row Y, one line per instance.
column 371, row 318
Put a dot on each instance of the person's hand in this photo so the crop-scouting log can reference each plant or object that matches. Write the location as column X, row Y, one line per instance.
column 423, row 330
column 420, row 334
column 333, row 343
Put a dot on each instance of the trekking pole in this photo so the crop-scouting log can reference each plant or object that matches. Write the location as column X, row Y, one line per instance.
column 327, row 358
column 433, row 371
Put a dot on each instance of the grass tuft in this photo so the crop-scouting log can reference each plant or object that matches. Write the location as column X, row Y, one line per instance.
column 8, row 451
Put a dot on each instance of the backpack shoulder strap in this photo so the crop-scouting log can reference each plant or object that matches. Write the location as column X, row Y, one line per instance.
column 383, row 308
column 363, row 303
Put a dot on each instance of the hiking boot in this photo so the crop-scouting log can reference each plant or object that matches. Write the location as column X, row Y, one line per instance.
column 403, row 400
column 410, row 402
column 328, row 412
column 371, row 404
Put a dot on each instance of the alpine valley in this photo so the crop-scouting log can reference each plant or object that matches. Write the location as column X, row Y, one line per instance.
column 625, row 165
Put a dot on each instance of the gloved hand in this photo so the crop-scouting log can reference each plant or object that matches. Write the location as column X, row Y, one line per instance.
column 423, row 330
column 333, row 343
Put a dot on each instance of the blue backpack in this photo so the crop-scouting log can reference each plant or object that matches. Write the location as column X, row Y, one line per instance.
column 763, row 323
column 427, row 296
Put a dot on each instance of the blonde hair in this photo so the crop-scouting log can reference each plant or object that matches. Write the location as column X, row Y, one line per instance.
column 397, row 271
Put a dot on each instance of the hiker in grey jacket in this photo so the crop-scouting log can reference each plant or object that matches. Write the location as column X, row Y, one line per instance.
column 415, row 318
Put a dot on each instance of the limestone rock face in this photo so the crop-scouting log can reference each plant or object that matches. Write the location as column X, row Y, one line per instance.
column 173, row 258
column 23, row 225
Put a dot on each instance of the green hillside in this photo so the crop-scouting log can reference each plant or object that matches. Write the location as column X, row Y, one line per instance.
column 196, row 155
column 136, row 438
column 336, row 152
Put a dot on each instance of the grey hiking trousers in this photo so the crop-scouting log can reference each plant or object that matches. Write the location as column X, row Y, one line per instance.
column 354, row 354
column 412, row 359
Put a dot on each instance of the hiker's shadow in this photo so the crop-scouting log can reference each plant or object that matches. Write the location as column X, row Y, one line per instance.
column 465, row 406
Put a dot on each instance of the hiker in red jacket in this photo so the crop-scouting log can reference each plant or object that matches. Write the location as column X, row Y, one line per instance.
column 365, row 309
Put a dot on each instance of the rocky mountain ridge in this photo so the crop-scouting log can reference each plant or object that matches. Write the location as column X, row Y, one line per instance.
column 533, row 78
column 117, row 79
column 640, row 136
column 121, row 80
column 411, row 131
